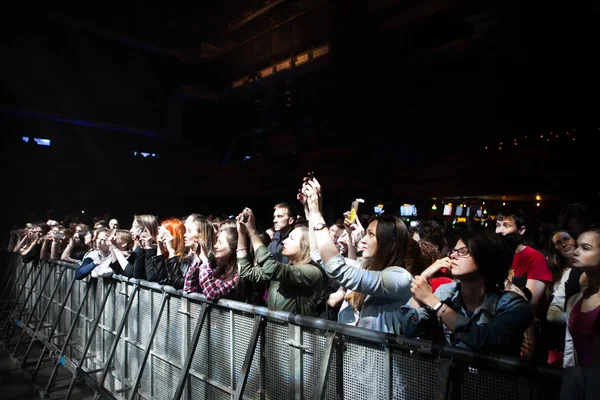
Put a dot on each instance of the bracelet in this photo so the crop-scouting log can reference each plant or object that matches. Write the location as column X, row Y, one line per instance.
column 241, row 249
column 443, row 311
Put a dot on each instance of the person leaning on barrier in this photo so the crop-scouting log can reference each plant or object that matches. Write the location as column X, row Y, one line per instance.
column 77, row 246
column 96, row 257
column 121, row 256
column 32, row 252
column 380, row 285
column 295, row 287
column 170, row 252
column 214, row 272
column 144, row 230
column 476, row 313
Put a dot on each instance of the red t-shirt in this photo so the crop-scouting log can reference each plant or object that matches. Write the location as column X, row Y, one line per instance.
column 531, row 264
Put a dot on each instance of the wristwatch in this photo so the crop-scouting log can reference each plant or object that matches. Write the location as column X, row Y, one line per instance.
column 319, row 226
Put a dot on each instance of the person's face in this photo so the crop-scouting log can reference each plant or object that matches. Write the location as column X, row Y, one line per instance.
column 587, row 253
column 191, row 234
column 102, row 243
column 564, row 244
column 222, row 250
column 281, row 219
column 87, row 239
column 292, row 245
column 37, row 233
column 461, row 262
column 368, row 244
column 506, row 226
column 113, row 224
column 136, row 229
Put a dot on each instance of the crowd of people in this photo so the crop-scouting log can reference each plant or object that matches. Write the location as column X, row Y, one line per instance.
column 488, row 290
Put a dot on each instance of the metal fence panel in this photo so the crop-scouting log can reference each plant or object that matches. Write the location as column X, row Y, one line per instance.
column 290, row 355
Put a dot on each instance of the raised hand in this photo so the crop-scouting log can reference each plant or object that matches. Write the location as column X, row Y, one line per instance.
column 240, row 223
column 248, row 220
column 312, row 190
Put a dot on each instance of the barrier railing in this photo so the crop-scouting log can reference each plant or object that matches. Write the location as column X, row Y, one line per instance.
column 132, row 339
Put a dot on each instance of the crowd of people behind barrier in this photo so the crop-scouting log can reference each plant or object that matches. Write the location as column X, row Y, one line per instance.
column 490, row 291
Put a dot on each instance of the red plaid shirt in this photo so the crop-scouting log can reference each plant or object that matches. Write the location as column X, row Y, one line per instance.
column 200, row 278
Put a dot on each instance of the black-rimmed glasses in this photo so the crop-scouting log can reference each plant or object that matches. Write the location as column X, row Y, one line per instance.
column 462, row 252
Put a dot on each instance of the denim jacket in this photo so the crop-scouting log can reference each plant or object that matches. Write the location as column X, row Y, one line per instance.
column 497, row 326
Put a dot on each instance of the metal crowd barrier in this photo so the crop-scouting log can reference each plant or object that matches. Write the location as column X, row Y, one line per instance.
column 131, row 339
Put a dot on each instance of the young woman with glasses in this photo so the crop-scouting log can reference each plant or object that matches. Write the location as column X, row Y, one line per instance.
column 475, row 311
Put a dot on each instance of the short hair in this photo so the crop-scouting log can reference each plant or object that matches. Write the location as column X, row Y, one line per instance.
column 493, row 255
column 291, row 210
column 516, row 214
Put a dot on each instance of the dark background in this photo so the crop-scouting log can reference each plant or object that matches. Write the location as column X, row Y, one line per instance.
column 400, row 109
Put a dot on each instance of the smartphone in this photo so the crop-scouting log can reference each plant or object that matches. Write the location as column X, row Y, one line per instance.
column 353, row 210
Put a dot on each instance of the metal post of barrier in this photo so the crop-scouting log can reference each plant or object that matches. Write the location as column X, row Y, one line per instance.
column 41, row 321
column 232, row 336
column 33, row 308
column 57, row 322
column 258, row 329
column 339, row 362
column 185, row 334
column 185, row 368
column 111, row 354
column 388, row 373
column 6, row 323
column 18, row 320
column 138, row 377
column 325, row 364
column 262, row 366
column 296, row 348
column 67, row 339
column 88, row 343
column 443, row 378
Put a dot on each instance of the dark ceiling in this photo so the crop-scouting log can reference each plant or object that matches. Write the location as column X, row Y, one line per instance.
column 439, row 65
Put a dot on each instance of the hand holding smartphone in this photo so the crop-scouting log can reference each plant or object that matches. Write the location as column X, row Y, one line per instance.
column 353, row 211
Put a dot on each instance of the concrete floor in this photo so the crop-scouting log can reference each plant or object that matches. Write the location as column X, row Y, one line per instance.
column 14, row 384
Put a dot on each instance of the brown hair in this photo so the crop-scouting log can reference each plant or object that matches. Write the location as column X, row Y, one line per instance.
column 125, row 236
column 392, row 245
column 415, row 263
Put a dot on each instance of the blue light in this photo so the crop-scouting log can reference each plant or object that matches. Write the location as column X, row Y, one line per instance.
column 42, row 142
column 78, row 122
